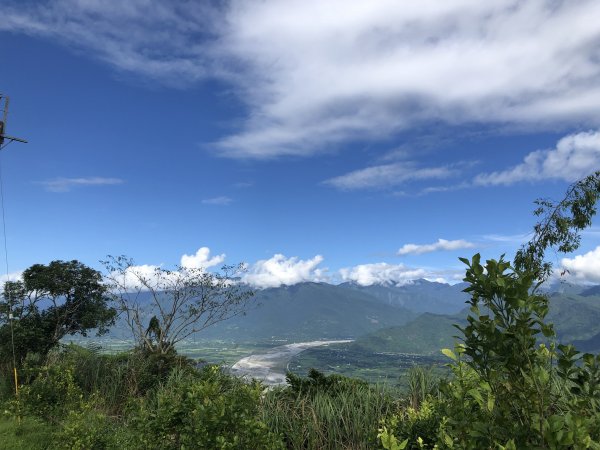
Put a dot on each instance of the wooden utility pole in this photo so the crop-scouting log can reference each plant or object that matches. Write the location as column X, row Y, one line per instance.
column 4, row 100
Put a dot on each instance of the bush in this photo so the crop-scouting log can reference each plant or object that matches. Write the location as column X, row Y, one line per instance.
column 209, row 410
column 52, row 394
column 416, row 428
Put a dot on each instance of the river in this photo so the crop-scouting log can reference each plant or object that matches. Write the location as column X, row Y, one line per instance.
column 270, row 366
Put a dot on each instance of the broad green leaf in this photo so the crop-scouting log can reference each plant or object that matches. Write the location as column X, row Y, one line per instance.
column 449, row 353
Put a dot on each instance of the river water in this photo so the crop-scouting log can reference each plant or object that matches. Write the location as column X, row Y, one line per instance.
column 271, row 366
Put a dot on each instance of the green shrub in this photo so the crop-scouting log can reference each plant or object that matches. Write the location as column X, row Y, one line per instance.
column 209, row 410
column 413, row 428
column 504, row 389
column 318, row 383
column 88, row 428
column 52, row 394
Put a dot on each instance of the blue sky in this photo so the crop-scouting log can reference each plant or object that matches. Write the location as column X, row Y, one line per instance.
column 313, row 140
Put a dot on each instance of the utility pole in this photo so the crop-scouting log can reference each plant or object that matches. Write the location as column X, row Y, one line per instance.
column 4, row 100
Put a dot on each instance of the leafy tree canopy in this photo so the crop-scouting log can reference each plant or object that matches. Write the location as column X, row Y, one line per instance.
column 50, row 302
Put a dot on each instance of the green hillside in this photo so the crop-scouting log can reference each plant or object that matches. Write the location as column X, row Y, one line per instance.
column 302, row 312
column 576, row 320
column 310, row 311
column 425, row 335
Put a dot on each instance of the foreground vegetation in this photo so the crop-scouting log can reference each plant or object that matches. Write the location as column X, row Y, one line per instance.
column 81, row 399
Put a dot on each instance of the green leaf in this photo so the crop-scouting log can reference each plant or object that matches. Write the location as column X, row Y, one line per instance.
column 450, row 354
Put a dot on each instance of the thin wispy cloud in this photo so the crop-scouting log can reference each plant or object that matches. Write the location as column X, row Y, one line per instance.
column 158, row 40
column 243, row 185
column 388, row 175
column 441, row 244
column 508, row 238
column 67, row 184
column 222, row 200
column 316, row 74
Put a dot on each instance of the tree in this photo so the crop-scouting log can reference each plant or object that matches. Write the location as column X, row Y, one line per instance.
column 163, row 307
column 508, row 389
column 560, row 225
column 50, row 302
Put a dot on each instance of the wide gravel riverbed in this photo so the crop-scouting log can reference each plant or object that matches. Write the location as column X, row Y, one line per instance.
column 270, row 366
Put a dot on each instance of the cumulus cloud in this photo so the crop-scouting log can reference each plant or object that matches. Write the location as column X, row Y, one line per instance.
column 584, row 268
column 280, row 270
column 66, row 184
column 441, row 244
column 381, row 273
column 574, row 157
column 387, row 175
column 142, row 276
column 12, row 276
column 202, row 259
column 315, row 74
column 222, row 200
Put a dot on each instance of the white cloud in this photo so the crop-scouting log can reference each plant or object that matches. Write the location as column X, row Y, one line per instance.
column 387, row 175
column 381, row 273
column 66, row 184
column 584, row 268
column 441, row 244
column 280, row 270
column 315, row 74
column 397, row 274
column 139, row 277
column 508, row 238
column 574, row 157
column 12, row 276
column 319, row 73
column 202, row 259
column 159, row 40
column 217, row 201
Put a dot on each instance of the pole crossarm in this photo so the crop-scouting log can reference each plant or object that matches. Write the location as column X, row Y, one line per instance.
column 3, row 119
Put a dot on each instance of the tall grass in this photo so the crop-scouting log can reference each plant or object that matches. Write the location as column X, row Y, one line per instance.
column 422, row 383
column 115, row 379
column 348, row 419
column 28, row 434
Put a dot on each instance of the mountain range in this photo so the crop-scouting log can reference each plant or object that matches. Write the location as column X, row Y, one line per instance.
column 413, row 318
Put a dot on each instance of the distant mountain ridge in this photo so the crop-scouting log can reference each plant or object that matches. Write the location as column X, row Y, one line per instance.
column 410, row 318
column 419, row 296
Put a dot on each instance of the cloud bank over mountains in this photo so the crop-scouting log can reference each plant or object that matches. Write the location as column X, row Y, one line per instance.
column 317, row 74
column 583, row 268
column 279, row 270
